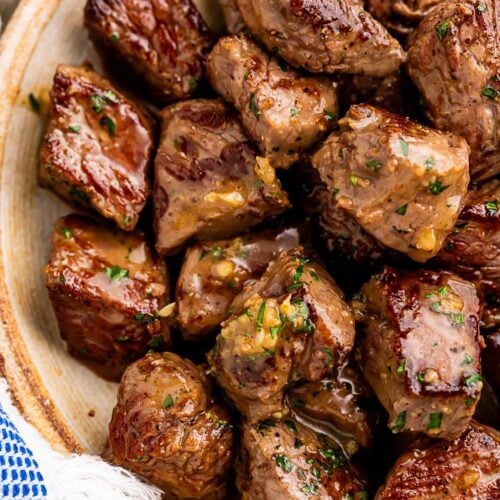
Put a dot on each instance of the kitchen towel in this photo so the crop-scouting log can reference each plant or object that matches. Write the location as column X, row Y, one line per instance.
column 31, row 469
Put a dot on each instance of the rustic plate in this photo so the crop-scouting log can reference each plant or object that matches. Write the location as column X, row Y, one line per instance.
column 53, row 391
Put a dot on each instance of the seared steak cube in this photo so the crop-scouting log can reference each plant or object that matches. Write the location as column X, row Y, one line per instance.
column 402, row 182
column 421, row 350
column 209, row 181
column 464, row 468
column 472, row 249
column 283, row 111
column 97, row 147
column 106, row 288
column 169, row 428
column 453, row 60
column 323, row 36
column 284, row 459
column 165, row 42
column 215, row 272
column 291, row 324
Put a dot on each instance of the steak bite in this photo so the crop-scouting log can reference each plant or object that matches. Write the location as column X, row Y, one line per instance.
column 164, row 42
column 402, row 182
column 209, row 181
column 343, row 401
column 232, row 16
column 421, row 350
column 107, row 290
column 168, row 427
column 284, row 459
column 472, row 249
column 291, row 324
column 323, row 36
column 97, row 147
column 464, row 468
column 454, row 61
column 283, row 111
column 214, row 273
column 400, row 17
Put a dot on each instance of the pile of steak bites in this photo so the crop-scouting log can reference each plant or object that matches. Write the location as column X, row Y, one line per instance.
column 287, row 244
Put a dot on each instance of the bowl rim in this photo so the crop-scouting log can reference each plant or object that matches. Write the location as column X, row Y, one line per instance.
column 27, row 390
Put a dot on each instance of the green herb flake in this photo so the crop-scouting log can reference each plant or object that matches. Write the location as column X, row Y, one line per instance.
column 490, row 92
column 330, row 116
column 402, row 209
column 457, row 319
column 275, row 330
column 481, row 8
column 110, row 96
column 297, row 443
column 67, row 232
column 374, row 165
column 157, row 342
column 290, row 424
column 443, row 291
column 98, row 103
column 314, row 275
column 401, row 368
column 420, row 377
column 126, row 220
column 470, row 401
column 74, row 128
column 435, row 420
column 283, row 462
column 34, row 103
column 436, row 307
column 353, row 179
column 491, row 207
column 260, row 316
column 335, row 191
column 144, row 318
column 429, row 163
column 400, row 422
column 294, row 112
column 468, row 360
column 114, row 37
column 442, row 30
column 193, row 83
column 253, row 106
column 405, row 147
column 472, row 380
column 109, row 123
column 168, row 402
column 309, row 489
column 116, row 273
column 436, row 187
column 215, row 253
column 329, row 355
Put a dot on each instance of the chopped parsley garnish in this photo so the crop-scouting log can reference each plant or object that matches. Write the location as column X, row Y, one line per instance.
column 145, row 319
column 473, row 380
column 157, row 342
column 481, row 8
column 400, row 422
column 314, row 275
column 114, row 37
column 435, row 420
column 98, row 103
column 260, row 316
column 309, row 489
column 215, row 253
column 335, row 191
column 429, row 163
column 353, row 179
column 290, row 424
column 329, row 353
column 294, row 112
column 193, row 82
column 34, row 103
column 168, row 402
column 420, row 377
column 116, row 273
column 223, row 424
column 442, row 30
column 469, row 401
column 126, row 220
column 490, row 92
column 436, row 187
column 283, row 462
column 74, row 128
column 402, row 367
column 467, row 359
column 402, row 209
column 67, row 233
column 443, row 291
column 374, row 165
column 405, row 147
column 330, row 116
column 109, row 123
column 274, row 330
column 491, row 207
column 110, row 96
column 457, row 319
column 303, row 311
column 436, row 307
column 253, row 106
